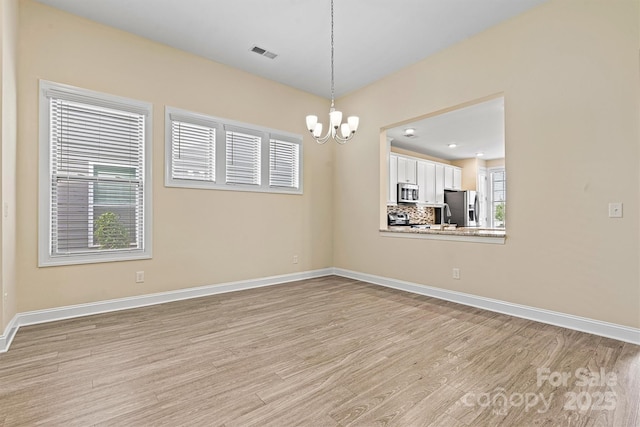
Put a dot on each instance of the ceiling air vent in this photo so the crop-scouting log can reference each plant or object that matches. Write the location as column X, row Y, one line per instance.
column 263, row 52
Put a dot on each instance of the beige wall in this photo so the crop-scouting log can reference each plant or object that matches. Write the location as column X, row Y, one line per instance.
column 495, row 163
column 199, row 236
column 569, row 73
column 8, row 107
column 469, row 173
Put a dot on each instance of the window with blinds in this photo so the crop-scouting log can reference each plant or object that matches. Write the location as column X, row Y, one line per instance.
column 209, row 152
column 283, row 164
column 243, row 158
column 193, row 151
column 95, row 194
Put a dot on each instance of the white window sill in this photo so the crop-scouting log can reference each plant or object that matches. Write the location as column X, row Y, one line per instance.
column 92, row 258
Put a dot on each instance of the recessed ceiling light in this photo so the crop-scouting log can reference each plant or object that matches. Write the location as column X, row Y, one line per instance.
column 453, row 145
column 409, row 132
column 479, row 154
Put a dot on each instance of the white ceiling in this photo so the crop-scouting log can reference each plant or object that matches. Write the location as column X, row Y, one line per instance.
column 373, row 38
column 478, row 128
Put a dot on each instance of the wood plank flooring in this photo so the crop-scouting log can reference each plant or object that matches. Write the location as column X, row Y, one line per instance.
column 321, row 352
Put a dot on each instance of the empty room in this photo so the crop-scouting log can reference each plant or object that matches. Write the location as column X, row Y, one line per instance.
column 320, row 213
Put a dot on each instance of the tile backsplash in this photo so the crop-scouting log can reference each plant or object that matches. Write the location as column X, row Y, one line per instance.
column 417, row 214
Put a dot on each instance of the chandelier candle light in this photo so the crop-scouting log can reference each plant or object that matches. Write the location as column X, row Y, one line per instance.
column 348, row 129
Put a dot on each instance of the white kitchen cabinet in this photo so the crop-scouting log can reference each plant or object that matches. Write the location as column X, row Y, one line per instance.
column 457, row 179
column 452, row 178
column 392, row 196
column 407, row 170
column 448, row 177
column 439, row 183
column 427, row 182
column 421, row 178
column 432, row 178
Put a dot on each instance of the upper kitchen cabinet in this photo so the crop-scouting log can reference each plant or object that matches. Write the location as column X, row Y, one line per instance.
column 452, row 178
column 392, row 193
column 439, row 183
column 427, row 182
column 457, row 179
column 407, row 170
column 401, row 169
column 431, row 177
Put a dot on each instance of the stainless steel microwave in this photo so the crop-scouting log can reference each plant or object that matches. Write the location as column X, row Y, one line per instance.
column 407, row 193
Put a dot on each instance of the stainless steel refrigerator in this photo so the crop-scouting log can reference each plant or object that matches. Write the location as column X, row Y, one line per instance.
column 463, row 206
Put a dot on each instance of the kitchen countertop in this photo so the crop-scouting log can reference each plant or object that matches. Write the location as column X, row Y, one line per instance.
column 458, row 231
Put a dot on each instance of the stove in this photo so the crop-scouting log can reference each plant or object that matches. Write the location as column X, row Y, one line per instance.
column 397, row 218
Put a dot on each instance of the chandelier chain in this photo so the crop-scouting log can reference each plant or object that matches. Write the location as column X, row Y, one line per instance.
column 332, row 67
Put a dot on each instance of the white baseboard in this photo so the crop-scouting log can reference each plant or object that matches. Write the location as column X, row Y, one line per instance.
column 68, row 312
column 596, row 327
column 583, row 324
column 9, row 334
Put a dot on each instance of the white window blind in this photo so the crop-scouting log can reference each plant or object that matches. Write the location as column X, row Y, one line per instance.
column 283, row 164
column 243, row 158
column 214, row 153
column 97, row 181
column 193, row 151
column 94, row 184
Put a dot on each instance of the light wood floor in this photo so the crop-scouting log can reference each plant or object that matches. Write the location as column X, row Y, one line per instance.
column 323, row 352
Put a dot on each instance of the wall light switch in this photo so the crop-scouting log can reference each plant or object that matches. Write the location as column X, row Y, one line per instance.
column 615, row 210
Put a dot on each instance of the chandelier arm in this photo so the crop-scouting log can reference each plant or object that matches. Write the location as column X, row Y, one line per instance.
column 342, row 140
column 322, row 139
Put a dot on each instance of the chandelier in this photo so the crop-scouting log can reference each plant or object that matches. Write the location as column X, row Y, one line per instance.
column 346, row 130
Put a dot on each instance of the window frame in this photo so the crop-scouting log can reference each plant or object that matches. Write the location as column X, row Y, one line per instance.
column 492, row 200
column 48, row 90
column 222, row 126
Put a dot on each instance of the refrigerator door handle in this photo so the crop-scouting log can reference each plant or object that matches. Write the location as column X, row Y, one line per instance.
column 476, row 206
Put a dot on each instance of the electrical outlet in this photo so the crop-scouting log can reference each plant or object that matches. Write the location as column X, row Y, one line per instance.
column 295, row 259
column 139, row 276
column 615, row 210
column 456, row 273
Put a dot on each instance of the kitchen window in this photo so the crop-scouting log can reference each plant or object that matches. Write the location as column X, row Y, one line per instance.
column 94, row 181
column 220, row 154
column 498, row 197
